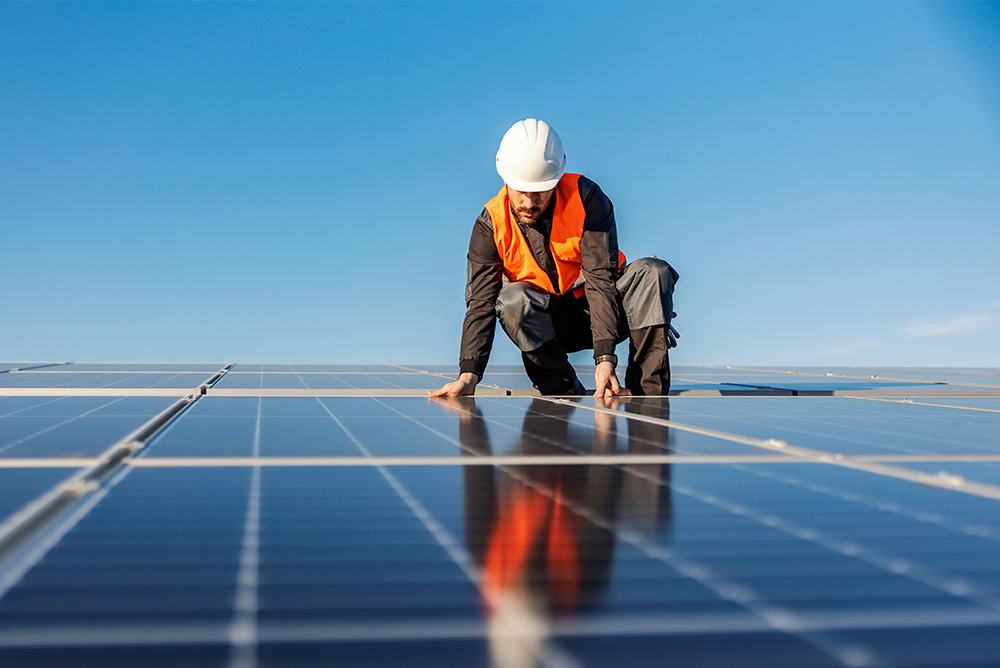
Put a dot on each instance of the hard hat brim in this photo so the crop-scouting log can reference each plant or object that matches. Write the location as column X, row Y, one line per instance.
column 528, row 186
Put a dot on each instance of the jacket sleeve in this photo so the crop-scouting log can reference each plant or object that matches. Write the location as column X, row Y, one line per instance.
column 599, row 257
column 481, row 291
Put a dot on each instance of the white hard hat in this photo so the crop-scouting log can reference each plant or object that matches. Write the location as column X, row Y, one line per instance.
column 531, row 157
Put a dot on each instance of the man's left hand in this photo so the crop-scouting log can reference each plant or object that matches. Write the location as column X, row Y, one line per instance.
column 606, row 382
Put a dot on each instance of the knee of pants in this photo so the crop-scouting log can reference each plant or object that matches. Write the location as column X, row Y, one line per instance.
column 647, row 289
column 654, row 269
column 521, row 309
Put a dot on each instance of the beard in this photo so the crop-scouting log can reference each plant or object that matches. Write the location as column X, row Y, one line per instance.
column 527, row 215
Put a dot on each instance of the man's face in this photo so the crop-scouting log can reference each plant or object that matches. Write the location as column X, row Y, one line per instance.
column 528, row 207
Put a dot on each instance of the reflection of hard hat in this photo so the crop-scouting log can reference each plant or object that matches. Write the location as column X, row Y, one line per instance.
column 531, row 157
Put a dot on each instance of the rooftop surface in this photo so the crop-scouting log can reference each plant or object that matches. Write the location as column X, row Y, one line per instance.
column 296, row 515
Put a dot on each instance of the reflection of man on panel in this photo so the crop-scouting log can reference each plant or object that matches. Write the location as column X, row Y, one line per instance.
column 552, row 237
column 544, row 535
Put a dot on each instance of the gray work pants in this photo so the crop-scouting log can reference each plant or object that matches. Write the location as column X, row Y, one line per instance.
column 545, row 327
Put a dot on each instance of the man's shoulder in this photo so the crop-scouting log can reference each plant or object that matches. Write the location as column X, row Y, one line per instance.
column 588, row 187
column 485, row 218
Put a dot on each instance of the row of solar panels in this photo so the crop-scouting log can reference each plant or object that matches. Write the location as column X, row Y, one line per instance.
column 387, row 378
column 388, row 530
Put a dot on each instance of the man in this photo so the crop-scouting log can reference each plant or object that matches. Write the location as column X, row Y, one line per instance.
column 551, row 236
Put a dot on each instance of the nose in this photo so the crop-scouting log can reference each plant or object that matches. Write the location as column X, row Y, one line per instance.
column 535, row 199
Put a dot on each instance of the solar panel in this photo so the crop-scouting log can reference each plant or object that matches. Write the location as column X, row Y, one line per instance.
column 143, row 368
column 330, row 381
column 114, row 381
column 71, row 426
column 13, row 366
column 308, row 524
column 20, row 486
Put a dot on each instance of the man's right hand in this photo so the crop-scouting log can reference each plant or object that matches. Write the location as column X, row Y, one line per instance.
column 464, row 385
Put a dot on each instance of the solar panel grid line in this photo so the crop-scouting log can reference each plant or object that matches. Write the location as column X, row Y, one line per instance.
column 769, row 388
column 961, row 485
column 951, row 587
column 846, row 655
column 968, row 372
column 30, row 407
column 897, row 393
column 33, row 366
column 49, row 428
column 874, row 376
column 417, row 370
column 926, row 403
column 922, row 458
column 526, row 632
column 304, row 383
column 770, row 444
column 360, row 392
column 894, row 508
column 60, row 462
column 34, row 517
column 949, row 482
column 479, row 460
column 804, row 425
column 789, row 621
column 728, row 590
column 95, row 392
column 495, row 389
column 361, row 386
column 715, row 624
column 876, row 434
column 956, row 425
column 625, row 459
column 243, row 631
column 328, row 372
column 103, row 372
column 19, row 558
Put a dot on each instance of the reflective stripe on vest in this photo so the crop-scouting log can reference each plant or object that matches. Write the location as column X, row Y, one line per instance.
column 568, row 216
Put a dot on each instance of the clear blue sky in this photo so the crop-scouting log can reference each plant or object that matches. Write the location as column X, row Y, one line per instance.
column 297, row 182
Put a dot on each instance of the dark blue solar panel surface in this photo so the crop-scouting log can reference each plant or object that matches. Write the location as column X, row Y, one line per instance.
column 845, row 425
column 5, row 366
column 987, row 472
column 18, row 487
column 321, row 368
column 579, row 543
column 143, row 368
column 979, row 403
column 416, row 427
column 71, row 426
column 672, row 550
column 331, row 381
column 62, row 379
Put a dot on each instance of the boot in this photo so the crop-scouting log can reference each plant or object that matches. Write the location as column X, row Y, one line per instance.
column 550, row 372
column 648, row 371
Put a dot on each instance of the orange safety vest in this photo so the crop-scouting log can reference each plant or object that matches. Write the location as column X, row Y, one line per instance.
column 564, row 240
